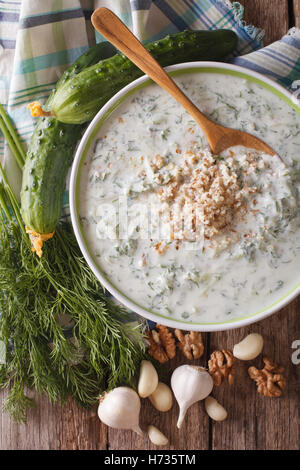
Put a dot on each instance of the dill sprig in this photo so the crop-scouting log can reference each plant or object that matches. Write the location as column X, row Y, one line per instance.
column 12, row 138
column 99, row 349
column 104, row 349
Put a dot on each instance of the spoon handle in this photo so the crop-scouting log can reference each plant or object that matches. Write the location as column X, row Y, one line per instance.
column 113, row 29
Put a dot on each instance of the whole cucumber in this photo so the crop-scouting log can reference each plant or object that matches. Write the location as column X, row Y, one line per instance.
column 50, row 154
column 81, row 97
column 44, row 173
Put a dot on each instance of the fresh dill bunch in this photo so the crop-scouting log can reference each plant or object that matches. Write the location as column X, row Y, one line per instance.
column 104, row 349
column 100, row 351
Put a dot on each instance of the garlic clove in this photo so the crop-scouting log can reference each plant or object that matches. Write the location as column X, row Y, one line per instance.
column 249, row 348
column 214, row 409
column 148, row 379
column 120, row 409
column 162, row 397
column 156, row 436
column 190, row 384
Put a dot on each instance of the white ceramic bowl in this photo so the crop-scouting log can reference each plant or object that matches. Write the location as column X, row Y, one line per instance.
column 85, row 144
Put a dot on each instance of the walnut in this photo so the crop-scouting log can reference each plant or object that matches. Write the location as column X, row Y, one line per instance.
column 168, row 341
column 270, row 380
column 161, row 344
column 190, row 344
column 221, row 366
column 155, row 349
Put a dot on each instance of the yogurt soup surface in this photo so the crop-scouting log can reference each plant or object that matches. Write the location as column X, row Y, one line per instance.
column 182, row 232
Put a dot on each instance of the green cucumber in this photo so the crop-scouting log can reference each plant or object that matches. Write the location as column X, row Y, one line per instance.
column 50, row 154
column 44, row 173
column 80, row 98
column 100, row 51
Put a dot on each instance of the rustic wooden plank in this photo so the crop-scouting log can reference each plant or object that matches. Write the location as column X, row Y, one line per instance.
column 272, row 16
column 297, row 12
column 54, row 427
column 254, row 421
column 194, row 433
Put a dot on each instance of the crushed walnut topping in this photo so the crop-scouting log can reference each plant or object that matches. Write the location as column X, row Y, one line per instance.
column 161, row 247
column 204, row 196
column 158, row 161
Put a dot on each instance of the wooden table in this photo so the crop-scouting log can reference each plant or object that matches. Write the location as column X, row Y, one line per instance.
column 254, row 422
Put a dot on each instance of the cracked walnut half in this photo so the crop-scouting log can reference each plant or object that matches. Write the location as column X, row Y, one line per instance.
column 221, row 366
column 270, row 380
column 190, row 344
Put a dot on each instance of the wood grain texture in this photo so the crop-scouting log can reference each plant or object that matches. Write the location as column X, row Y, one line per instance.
column 297, row 12
column 272, row 16
column 254, row 422
column 53, row 427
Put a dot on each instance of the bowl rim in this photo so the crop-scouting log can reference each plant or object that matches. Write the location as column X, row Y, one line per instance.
column 82, row 149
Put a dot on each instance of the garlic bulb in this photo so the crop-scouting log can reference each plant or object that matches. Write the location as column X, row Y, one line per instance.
column 120, row 409
column 148, row 379
column 190, row 384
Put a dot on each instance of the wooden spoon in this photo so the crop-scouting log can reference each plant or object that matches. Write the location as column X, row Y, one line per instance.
column 219, row 137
